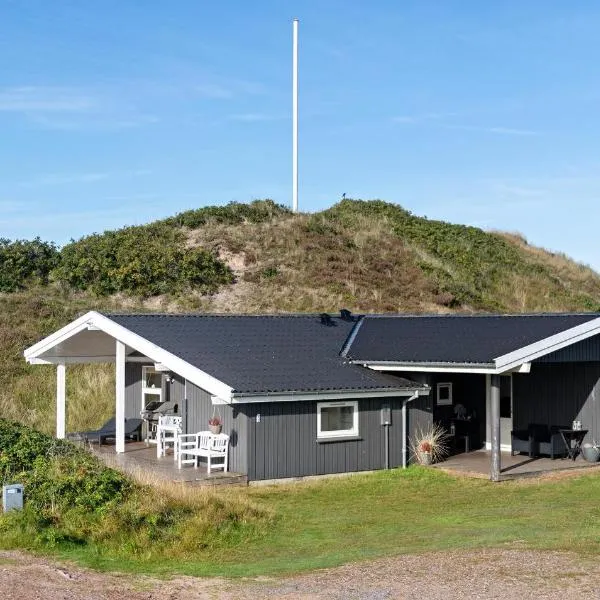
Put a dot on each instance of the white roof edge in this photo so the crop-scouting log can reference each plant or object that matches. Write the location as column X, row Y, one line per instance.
column 65, row 332
column 548, row 345
column 325, row 395
column 156, row 353
column 432, row 367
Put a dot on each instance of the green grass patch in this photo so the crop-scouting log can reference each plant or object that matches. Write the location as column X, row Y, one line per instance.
column 282, row 529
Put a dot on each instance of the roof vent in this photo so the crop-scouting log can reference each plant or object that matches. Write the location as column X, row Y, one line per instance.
column 346, row 315
column 327, row 320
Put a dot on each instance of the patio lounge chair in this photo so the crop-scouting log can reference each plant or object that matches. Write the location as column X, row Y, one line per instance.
column 203, row 444
column 538, row 439
column 133, row 431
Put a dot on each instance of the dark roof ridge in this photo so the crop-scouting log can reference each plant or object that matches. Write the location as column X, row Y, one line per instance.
column 214, row 314
column 356, row 316
column 479, row 315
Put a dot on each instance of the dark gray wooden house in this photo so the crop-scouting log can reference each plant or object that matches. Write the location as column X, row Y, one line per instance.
column 307, row 395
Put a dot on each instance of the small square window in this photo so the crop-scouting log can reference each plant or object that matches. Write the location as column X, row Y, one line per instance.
column 337, row 419
column 444, row 394
column 151, row 378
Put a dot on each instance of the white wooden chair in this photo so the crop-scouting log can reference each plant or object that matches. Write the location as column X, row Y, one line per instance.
column 203, row 444
column 167, row 433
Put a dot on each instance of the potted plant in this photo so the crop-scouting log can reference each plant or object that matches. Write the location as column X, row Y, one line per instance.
column 430, row 445
column 215, row 425
column 424, row 455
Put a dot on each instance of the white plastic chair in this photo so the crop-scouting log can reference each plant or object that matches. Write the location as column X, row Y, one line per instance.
column 167, row 433
column 203, row 444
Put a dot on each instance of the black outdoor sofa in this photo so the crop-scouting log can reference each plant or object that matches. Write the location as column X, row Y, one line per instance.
column 539, row 439
column 133, row 431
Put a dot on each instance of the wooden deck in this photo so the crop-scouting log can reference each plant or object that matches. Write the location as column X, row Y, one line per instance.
column 141, row 461
column 477, row 464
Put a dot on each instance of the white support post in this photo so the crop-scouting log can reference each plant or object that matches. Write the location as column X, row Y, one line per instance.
column 495, row 427
column 120, row 396
column 61, row 401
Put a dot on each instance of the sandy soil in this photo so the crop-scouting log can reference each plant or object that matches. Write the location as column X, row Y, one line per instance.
column 454, row 575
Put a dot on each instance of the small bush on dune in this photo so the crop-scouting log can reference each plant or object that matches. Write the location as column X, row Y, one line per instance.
column 72, row 498
column 145, row 261
column 25, row 261
column 233, row 213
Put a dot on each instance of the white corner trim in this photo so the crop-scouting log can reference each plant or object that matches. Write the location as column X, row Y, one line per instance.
column 548, row 345
column 133, row 340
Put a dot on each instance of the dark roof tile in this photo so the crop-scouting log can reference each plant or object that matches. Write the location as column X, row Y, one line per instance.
column 262, row 354
column 453, row 338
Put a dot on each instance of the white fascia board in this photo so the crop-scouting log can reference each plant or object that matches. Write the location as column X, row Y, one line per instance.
column 324, row 396
column 57, row 337
column 133, row 340
column 421, row 368
column 71, row 360
column 548, row 345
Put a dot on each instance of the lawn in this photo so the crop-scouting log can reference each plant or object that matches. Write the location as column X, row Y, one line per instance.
column 330, row 522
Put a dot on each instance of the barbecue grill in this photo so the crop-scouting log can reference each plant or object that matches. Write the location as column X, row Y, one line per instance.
column 153, row 410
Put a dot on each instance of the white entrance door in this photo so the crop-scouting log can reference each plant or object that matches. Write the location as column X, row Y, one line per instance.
column 506, row 412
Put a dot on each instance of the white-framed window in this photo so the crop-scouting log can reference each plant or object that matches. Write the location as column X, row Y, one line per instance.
column 151, row 386
column 444, row 394
column 337, row 419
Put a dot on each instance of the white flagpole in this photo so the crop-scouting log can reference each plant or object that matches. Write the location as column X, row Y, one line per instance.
column 295, row 119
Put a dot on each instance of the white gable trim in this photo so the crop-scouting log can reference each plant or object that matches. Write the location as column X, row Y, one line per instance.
column 548, row 345
column 157, row 354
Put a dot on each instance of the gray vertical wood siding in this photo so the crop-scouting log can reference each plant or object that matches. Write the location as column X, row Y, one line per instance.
column 200, row 410
column 557, row 394
column 584, row 351
column 283, row 443
column 133, row 390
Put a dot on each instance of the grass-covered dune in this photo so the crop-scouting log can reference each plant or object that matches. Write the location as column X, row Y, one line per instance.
column 367, row 256
column 78, row 509
column 75, row 504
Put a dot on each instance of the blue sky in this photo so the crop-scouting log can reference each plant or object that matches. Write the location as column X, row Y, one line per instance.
column 485, row 113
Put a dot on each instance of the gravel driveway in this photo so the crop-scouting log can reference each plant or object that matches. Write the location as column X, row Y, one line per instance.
column 435, row 576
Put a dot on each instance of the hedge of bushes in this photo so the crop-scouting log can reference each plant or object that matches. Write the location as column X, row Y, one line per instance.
column 233, row 213
column 25, row 261
column 146, row 260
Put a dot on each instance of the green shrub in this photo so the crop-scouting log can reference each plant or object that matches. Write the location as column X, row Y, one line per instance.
column 25, row 261
column 58, row 475
column 233, row 213
column 73, row 499
column 145, row 261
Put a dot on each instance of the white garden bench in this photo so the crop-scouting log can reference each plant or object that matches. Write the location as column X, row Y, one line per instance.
column 203, row 444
